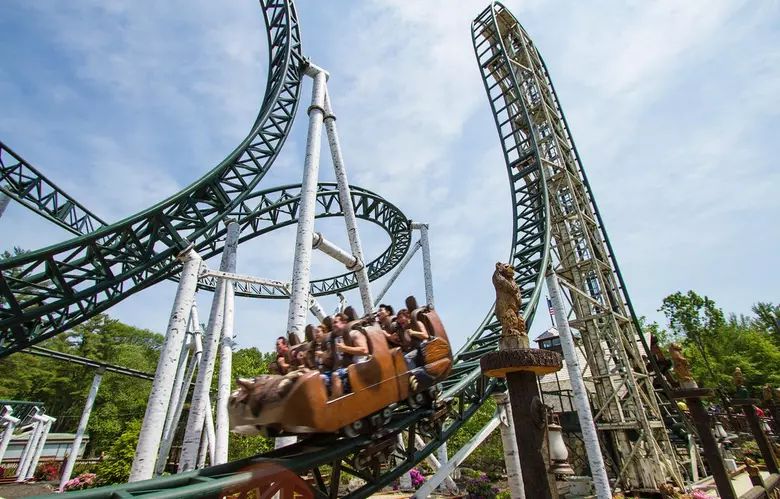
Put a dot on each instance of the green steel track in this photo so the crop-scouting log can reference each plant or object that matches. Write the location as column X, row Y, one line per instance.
column 273, row 209
column 466, row 389
column 46, row 292
column 27, row 186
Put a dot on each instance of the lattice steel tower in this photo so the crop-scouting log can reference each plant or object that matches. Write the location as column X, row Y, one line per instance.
column 623, row 401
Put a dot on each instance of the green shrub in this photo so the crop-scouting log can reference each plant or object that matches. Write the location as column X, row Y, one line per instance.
column 115, row 468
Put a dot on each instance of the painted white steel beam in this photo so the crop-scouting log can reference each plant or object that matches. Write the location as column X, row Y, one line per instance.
column 162, row 386
column 398, row 271
column 588, row 427
column 514, row 473
column 435, row 463
column 345, row 198
column 232, row 276
column 74, row 449
column 301, row 272
column 446, row 469
column 350, row 261
column 226, row 352
column 10, row 424
column 200, row 394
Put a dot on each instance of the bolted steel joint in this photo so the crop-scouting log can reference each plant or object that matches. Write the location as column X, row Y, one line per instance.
column 316, row 240
column 358, row 265
column 315, row 107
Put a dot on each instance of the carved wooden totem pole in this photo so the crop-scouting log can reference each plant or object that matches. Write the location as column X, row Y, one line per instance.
column 520, row 365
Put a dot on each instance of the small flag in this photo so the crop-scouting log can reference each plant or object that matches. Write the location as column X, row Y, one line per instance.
column 549, row 304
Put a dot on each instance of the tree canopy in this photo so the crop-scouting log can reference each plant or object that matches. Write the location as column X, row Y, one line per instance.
column 716, row 344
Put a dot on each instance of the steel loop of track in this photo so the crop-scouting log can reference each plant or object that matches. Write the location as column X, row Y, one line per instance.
column 193, row 216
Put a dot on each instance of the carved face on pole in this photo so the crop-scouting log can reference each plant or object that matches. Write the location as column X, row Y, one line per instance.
column 505, row 270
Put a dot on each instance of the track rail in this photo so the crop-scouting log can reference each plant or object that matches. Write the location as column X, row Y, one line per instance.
column 465, row 390
column 50, row 290
column 26, row 185
column 530, row 168
column 273, row 209
column 278, row 207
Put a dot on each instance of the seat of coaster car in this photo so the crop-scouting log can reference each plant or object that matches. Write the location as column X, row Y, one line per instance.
column 437, row 351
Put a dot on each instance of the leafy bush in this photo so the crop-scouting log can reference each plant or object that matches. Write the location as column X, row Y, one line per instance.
column 480, row 488
column 115, row 468
column 46, row 472
column 82, row 482
column 2, row 472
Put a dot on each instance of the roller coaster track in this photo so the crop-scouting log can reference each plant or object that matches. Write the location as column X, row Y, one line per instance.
column 274, row 209
column 26, row 185
column 465, row 390
column 144, row 246
column 50, row 290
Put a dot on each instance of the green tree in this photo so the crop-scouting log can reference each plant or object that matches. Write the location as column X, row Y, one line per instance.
column 717, row 345
column 115, row 468
column 696, row 321
column 63, row 387
column 768, row 318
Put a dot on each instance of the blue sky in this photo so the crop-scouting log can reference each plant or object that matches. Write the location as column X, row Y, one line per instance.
column 673, row 106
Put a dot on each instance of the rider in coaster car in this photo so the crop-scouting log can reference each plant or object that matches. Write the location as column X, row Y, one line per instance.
column 320, row 349
column 418, row 337
column 321, row 352
column 352, row 348
column 282, row 355
column 386, row 320
column 300, row 358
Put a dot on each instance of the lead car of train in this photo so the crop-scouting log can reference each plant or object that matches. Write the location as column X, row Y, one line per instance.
column 298, row 403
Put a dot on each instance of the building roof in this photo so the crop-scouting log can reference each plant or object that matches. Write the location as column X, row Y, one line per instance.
column 52, row 437
column 550, row 333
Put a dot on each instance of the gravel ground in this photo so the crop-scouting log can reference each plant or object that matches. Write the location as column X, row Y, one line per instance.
column 13, row 490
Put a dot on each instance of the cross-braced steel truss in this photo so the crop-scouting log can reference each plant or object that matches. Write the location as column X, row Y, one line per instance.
column 626, row 408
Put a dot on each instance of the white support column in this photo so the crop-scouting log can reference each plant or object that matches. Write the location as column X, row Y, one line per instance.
column 514, row 473
column 442, row 456
column 316, row 309
column 39, row 447
column 405, row 481
column 160, row 396
column 426, row 252
column 176, row 394
column 5, row 200
column 74, row 449
column 210, row 433
column 435, row 463
column 446, row 469
column 299, row 289
column 346, row 206
column 29, row 449
column 10, row 424
column 200, row 395
column 165, row 446
column 398, row 270
column 204, row 449
column 320, row 243
column 588, row 428
column 226, row 353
